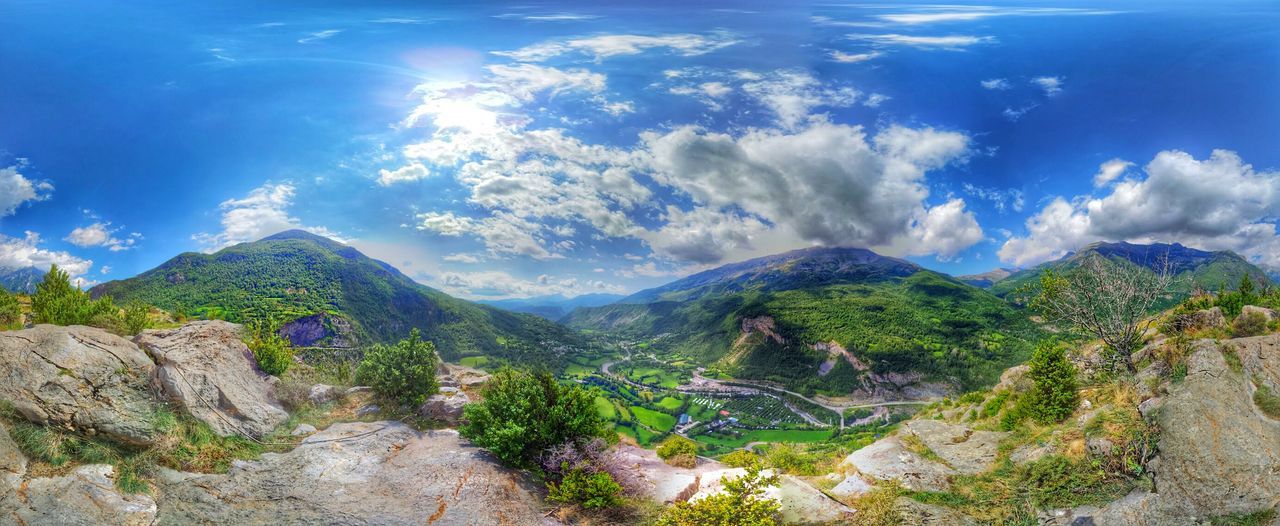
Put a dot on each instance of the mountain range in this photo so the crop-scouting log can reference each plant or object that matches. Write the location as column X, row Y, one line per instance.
column 552, row 307
column 324, row 293
column 22, row 280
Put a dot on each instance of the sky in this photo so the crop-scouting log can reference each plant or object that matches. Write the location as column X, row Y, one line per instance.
column 507, row 150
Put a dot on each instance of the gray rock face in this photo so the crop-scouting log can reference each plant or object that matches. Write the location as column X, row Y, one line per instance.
column 966, row 450
column 920, row 514
column 1014, row 379
column 1208, row 319
column 1254, row 309
column 85, row 497
column 377, row 473
column 445, row 406
column 800, row 502
column 888, row 459
column 322, row 394
column 205, row 368
column 13, row 465
column 81, row 378
column 303, row 429
column 658, row 481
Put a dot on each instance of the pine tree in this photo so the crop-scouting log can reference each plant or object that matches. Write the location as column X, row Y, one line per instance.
column 1054, row 395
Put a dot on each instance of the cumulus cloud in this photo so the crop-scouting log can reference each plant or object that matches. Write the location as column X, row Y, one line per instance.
column 1110, row 170
column 606, row 46
column 702, row 235
column 23, row 252
column 16, row 189
column 1216, row 203
column 791, row 95
column 101, row 234
column 492, row 284
column 945, row 230
column 1001, row 199
column 502, row 233
column 406, row 173
column 264, row 211
column 996, row 84
column 1052, row 86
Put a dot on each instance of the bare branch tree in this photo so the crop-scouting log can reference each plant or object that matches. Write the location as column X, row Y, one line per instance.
column 1110, row 300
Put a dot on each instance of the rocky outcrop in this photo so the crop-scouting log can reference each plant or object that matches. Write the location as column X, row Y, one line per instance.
column 319, row 330
column 888, row 459
column 85, row 497
column 445, row 406
column 206, row 369
column 1207, row 319
column 915, row 513
column 454, row 375
column 1014, row 379
column 1254, row 309
column 376, row 473
column 81, row 378
column 800, row 502
column 658, row 481
column 13, row 465
column 321, row 394
column 965, row 450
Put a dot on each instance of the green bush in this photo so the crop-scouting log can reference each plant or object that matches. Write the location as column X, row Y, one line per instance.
column 273, row 353
column 1250, row 324
column 524, row 414
column 137, row 317
column 740, row 458
column 677, row 446
column 1053, row 397
column 589, row 490
column 742, row 503
column 10, row 311
column 58, row 302
column 404, row 372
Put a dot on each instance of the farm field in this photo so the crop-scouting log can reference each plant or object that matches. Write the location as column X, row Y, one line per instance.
column 659, row 421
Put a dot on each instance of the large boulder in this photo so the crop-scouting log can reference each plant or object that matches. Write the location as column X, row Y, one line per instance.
column 1014, row 379
column 965, row 450
column 915, row 513
column 205, row 368
column 658, row 481
column 13, row 464
column 1207, row 319
column 374, row 473
column 85, row 497
column 888, row 459
column 800, row 502
column 1254, row 309
column 80, row 378
column 445, row 406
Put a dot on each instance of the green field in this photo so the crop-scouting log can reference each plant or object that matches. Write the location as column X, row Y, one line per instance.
column 643, row 436
column 474, row 361
column 605, row 408
column 575, row 369
column 670, row 403
column 765, row 435
column 659, row 421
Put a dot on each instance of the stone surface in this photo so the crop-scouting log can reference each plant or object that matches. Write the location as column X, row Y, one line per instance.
column 1029, row 453
column 658, row 481
column 81, row 378
column 851, row 486
column 465, row 377
column 445, row 406
column 205, row 368
column 1014, row 379
column 916, row 513
column 887, row 459
column 1254, row 309
column 1208, row 319
column 800, row 502
column 13, row 464
column 367, row 409
column 965, row 450
column 321, row 394
column 303, row 429
column 84, row 497
column 375, row 473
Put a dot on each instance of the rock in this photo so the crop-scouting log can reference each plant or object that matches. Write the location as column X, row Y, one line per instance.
column 81, row 378
column 13, row 464
column 915, row 513
column 658, row 481
column 1207, row 319
column 851, row 486
column 1014, row 379
column 1100, row 447
column 205, row 368
column 1029, row 453
column 445, row 407
column 466, row 377
column 887, row 459
column 85, row 497
column 381, row 473
column 321, row 394
column 1135, row 509
column 1149, row 406
column 367, row 409
column 357, row 389
column 1254, row 309
column 967, row 451
column 303, row 429
column 801, row 503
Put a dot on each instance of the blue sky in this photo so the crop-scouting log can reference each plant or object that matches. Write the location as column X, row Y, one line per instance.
column 539, row 148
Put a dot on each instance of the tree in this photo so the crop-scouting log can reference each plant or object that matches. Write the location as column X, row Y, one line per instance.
column 273, row 353
column 1053, row 396
column 742, row 503
column 523, row 414
column 679, row 451
column 404, row 372
column 58, row 302
column 137, row 317
column 10, row 311
column 1246, row 290
column 1106, row 299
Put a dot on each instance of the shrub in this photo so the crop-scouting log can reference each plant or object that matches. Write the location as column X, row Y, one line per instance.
column 1266, row 400
column 404, row 372
column 1250, row 324
column 740, row 458
column 137, row 318
column 1053, row 397
column 594, row 455
column 10, row 311
column 58, row 302
column 678, row 446
column 272, row 352
column 742, row 503
column 591, row 490
column 523, row 414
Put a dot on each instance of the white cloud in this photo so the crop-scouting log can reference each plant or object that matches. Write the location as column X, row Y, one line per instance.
column 523, row 81
column 106, row 269
column 925, row 42
column 607, row 46
column 1001, row 199
column 702, row 235
column 319, row 35
column 16, row 189
column 853, row 58
column 1052, row 86
column 23, row 252
column 1013, row 114
column 549, row 17
column 941, row 14
column 1217, row 203
column 408, row 172
column 101, row 234
column 502, row 233
column 791, row 95
column 996, row 84
column 261, row 213
column 1110, row 170
column 445, row 223
column 462, row 258
column 492, row 284
column 945, row 230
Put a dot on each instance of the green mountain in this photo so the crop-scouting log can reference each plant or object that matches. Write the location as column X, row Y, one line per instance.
column 1191, row 268
column 329, row 294
column 831, row 320
column 21, row 280
column 552, row 307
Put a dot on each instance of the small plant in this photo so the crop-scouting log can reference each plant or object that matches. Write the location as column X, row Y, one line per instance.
column 678, row 451
column 740, row 458
column 10, row 310
column 1266, row 400
column 591, row 490
column 742, row 503
column 137, row 318
column 404, row 372
column 273, row 353
column 1249, row 324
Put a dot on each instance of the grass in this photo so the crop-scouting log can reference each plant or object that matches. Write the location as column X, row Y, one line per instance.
column 1266, row 400
column 1257, row 518
column 670, row 403
column 659, row 421
column 474, row 361
column 575, row 369
column 605, row 408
